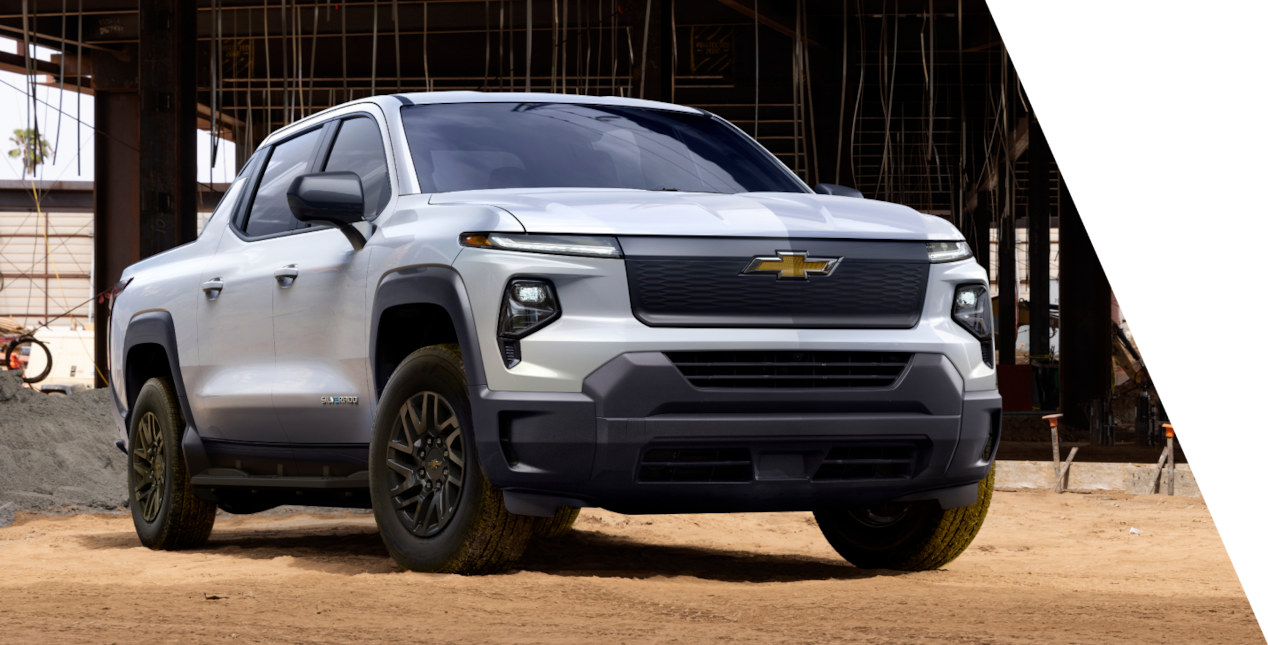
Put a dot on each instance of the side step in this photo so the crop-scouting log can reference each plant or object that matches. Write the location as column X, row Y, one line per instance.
column 229, row 478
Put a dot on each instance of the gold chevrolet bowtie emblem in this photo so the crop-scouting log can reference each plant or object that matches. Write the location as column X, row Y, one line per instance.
column 791, row 264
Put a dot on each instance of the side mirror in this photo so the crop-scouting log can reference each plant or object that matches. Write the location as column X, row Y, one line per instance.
column 834, row 189
column 331, row 198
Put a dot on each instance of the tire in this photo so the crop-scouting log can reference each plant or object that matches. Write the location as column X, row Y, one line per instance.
column 920, row 536
column 15, row 349
column 462, row 525
column 165, row 512
column 557, row 525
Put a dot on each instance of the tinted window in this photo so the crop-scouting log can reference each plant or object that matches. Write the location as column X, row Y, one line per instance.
column 473, row 146
column 269, row 212
column 359, row 148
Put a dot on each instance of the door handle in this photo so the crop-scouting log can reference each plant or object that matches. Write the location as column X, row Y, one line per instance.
column 286, row 275
column 212, row 288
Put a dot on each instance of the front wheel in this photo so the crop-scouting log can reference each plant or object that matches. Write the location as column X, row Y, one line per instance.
column 916, row 536
column 165, row 512
column 436, row 510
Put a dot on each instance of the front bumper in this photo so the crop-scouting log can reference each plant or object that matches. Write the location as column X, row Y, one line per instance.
column 593, row 448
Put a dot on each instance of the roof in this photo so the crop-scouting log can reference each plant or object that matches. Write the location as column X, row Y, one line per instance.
column 394, row 101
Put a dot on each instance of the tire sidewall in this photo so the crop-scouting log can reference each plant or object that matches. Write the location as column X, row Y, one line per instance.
column 153, row 399
column 435, row 372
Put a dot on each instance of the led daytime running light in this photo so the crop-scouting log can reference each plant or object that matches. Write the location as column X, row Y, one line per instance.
column 583, row 245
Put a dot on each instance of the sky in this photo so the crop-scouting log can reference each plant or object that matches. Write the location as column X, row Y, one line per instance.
column 73, row 160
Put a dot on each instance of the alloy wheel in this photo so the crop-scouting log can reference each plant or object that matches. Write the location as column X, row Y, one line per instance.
column 149, row 461
column 425, row 460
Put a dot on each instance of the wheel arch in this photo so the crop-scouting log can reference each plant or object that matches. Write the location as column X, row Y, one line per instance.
column 149, row 351
column 433, row 296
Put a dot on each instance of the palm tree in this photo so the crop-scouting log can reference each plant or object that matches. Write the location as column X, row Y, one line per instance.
column 31, row 147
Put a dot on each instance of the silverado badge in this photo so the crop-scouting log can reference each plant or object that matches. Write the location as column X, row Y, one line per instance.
column 791, row 264
column 339, row 399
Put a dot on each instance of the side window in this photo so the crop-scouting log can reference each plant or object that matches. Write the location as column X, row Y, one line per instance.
column 270, row 213
column 359, row 148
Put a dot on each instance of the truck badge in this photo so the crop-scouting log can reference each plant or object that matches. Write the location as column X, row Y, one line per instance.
column 791, row 264
column 339, row 400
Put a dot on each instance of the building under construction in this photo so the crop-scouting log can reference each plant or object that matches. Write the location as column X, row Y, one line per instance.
column 910, row 101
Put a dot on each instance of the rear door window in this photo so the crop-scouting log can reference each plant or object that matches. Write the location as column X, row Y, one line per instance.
column 270, row 214
column 359, row 148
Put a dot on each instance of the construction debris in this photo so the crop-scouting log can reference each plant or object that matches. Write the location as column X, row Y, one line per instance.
column 57, row 453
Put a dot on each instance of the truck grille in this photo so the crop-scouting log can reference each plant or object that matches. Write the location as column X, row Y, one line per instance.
column 696, row 465
column 893, row 461
column 785, row 369
column 677, row 282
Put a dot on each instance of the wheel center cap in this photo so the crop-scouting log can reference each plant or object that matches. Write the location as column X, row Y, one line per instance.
column 434, row 465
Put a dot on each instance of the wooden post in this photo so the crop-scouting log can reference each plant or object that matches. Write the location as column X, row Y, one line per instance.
column 1153, row 479
column 1056, row 446
column 1171, row 459
column 1065, row 468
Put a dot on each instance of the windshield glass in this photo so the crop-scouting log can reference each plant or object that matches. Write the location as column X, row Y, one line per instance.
column 475, row 146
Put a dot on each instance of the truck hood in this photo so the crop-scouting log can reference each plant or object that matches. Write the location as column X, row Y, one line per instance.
column 638, row 212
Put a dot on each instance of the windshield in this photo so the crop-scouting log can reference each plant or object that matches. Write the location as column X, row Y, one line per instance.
column 475, row 146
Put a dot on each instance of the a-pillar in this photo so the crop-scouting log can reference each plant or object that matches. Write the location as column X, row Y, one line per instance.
column 1086, row 341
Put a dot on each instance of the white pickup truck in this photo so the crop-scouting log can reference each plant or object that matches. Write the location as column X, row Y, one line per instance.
column 478, row 313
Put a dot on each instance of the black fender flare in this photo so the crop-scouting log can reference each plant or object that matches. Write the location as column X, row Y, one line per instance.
column 442, row 286
column 430, row 285
column 153, row 328
column 157, row 328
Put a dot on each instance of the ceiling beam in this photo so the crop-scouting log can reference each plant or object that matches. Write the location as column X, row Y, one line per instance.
column 734, row 4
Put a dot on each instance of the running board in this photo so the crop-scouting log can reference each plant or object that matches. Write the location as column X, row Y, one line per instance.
column 355, row 481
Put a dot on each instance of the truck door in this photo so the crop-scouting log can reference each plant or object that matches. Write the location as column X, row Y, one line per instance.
column 323, row 393
column 235, row 317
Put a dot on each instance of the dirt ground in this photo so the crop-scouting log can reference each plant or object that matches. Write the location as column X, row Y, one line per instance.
column 1045, row 569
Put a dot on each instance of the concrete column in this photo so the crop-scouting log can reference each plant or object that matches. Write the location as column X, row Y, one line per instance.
column 1038, row 212
column 168, row 145
column 1086, row 343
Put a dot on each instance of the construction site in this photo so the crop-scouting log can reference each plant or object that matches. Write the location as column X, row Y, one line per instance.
column 1098, row 534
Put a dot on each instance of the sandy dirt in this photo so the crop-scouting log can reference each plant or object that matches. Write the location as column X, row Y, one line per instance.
column 1045, row 569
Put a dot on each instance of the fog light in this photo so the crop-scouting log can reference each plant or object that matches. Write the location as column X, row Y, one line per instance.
column 529, row 293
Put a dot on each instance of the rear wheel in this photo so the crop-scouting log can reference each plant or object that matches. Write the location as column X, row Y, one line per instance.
column 917, row 536
column 164, row 510
column 435, row 508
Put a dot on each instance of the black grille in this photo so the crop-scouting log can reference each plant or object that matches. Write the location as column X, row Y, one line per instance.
column 778, row 369
column 696, row 465
column 676, row 282
column 875, row 461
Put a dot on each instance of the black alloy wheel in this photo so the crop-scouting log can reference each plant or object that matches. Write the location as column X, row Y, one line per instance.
column 150, row 464
column 426, row 459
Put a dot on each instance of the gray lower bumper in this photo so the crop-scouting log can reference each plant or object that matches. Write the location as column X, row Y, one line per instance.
column 805, row 449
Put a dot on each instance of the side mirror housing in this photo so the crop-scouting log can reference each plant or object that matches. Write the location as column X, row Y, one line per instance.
column 834, row 189
column 333, row 198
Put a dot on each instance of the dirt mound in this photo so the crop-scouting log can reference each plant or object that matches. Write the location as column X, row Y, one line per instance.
column 57, row 453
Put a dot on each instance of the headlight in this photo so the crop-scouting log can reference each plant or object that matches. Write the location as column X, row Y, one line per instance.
column 971, row 308
column 948, row 251
column 527, row 305
column 584, row 245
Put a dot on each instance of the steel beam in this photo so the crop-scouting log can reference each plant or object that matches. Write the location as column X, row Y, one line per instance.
column 117, row 199
column 1086, row 341
column 1038, row 212
column 168, row 143
column 1007, row 270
